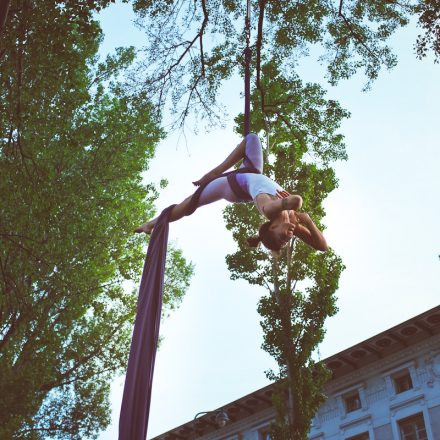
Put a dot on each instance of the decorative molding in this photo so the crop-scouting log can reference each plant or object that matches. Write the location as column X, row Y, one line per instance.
column 398, row 405
column 414, row 376
column 384, row 390
column 376, row 393
column 358, row 421
column 433, row 362
column 385, row 364
column 408, row 365
column 348, row 390
column 390, row 387
column 341, row 406
column 363, row 397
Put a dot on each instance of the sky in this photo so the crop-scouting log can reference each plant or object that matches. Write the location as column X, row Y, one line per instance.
column 382, row 220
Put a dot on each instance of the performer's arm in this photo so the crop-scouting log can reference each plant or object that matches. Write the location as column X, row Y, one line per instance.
column 308, row 232
column 270, row 208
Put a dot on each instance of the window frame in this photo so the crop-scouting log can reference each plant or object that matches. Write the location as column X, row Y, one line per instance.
column 404, row 373
column 358, row 436
column 414, row 417
column 389, row 382
column 345, row 397
column 407, row 409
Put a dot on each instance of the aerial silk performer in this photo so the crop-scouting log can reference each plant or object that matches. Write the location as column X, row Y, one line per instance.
column 248, row 184
column 245, row 184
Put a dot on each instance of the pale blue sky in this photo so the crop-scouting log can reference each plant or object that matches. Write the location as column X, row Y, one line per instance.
column 382, row 220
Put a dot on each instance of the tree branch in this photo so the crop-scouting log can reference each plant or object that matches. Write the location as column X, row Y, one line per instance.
column 355, row 35
column 262, row 5
column 199, row 36
column 202, row 30
column 61, row 376
column 4, row 8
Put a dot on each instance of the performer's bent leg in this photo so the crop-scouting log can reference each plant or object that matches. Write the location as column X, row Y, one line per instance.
column 218, row 189
column 253, row 154
column 249, row 150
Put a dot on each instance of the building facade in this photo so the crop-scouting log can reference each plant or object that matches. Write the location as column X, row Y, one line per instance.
column 384, row 388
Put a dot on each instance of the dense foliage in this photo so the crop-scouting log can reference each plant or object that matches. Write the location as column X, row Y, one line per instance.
column 428, row 12
column 75, row 140
column 73, row 146
column 192, row 49
column 301, row 283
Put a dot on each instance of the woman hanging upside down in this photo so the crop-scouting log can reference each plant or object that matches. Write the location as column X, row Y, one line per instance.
column 248, row 184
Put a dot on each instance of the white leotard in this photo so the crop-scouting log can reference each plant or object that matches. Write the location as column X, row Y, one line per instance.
column 254, row 184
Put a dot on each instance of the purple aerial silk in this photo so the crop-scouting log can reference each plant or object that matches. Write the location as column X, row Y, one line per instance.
column 135, row 408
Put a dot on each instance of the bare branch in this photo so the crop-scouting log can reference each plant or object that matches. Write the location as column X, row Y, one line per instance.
column 190, row 44
column 4, row 8
column 355, row 35
column 202, row 30
column 262, row 5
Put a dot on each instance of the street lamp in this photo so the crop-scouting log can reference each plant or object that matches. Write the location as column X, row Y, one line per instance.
column 221, row 416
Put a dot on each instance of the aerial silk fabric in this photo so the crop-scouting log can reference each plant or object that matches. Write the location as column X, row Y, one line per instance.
column 135, row 408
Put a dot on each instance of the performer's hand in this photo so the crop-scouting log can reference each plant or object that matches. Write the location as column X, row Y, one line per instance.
column 206, row 178
column 303, row 217
column 198, row 182
column 282, row 194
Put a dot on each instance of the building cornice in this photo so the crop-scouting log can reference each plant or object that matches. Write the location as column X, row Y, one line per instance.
column 383, row 366
column 381, row 353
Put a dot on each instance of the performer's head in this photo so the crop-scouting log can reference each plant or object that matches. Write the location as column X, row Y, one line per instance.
column 273, row 234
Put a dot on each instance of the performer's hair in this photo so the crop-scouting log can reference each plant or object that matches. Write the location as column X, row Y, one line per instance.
column 267, row 237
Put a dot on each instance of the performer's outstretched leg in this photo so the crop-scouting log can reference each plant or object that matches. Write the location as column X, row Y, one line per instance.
column 248, row 149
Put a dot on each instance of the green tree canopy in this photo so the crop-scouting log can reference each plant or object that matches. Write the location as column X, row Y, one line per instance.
column 428, row 12
column 73, row 147
column 301, row 283
column 193, row 47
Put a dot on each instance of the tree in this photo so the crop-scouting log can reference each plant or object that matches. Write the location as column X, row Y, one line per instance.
column 73, row 147
column 429, row 21
column 194, row 47
column 301, row 283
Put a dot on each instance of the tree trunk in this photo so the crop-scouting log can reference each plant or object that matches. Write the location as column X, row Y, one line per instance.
column 4, row 8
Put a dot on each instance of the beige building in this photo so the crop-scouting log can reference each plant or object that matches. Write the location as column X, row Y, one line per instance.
column 384, row 388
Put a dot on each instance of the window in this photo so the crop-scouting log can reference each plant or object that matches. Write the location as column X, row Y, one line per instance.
column 352, row 402
column 402, row 381
column 413, row 428
column 363, row 436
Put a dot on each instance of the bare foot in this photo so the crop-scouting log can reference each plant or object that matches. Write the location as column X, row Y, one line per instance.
column 147, row 228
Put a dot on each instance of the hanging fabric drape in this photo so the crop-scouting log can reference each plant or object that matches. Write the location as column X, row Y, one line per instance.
column 247, row 72
column 135, row 408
